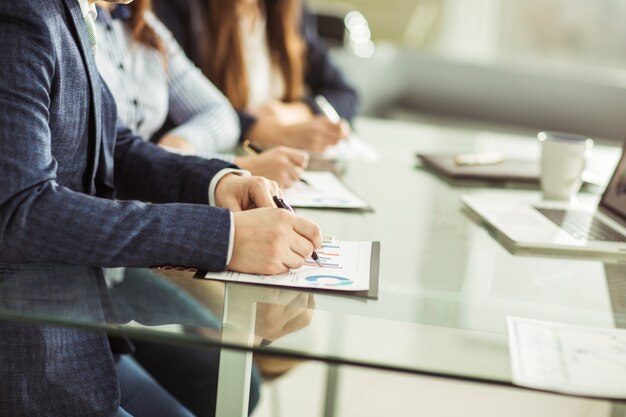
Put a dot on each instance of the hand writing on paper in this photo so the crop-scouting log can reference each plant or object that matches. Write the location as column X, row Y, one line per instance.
column 281, row 164
column 314, row 135
column 284, row 113
column 270, row 241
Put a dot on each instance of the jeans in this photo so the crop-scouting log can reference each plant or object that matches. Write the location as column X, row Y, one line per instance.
column 142, row 396
column 189, row 374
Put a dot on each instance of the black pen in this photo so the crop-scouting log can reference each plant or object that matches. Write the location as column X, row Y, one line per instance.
column 280, row 203
column 255, row 149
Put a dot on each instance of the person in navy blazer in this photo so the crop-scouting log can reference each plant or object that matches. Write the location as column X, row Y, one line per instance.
column 64, row 159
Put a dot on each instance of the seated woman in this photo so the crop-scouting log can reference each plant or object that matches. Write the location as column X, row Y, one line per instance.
column 266, row 57
column 152, row 79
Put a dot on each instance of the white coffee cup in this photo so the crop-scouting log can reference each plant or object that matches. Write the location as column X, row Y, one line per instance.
column 563, row 160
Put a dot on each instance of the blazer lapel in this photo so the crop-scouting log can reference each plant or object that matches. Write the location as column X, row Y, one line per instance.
column 95, row 131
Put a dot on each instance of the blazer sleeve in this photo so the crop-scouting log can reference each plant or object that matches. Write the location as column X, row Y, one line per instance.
column 323, row 76
column 42, row 221
column 144, row 171
column 204, row 117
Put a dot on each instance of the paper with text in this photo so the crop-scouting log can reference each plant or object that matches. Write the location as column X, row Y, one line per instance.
column 346, row 267
column 352, row 149
column 324, row 190
column 569, row 359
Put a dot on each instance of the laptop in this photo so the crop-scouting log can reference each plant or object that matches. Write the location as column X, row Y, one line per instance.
column 554, row 227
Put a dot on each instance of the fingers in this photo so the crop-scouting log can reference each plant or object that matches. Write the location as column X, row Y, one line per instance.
column 276, row 190
column 308, row 230
column 293, row 174
column 332, row 131
column 346, row 130
column 297, row 157
column 302, row 246
column 271, row 241
column 324, row 134
column 284, row 168
column 261, row 192
column 293, row 260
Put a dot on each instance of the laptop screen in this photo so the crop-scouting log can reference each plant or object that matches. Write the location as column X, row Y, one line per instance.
column 614, row 197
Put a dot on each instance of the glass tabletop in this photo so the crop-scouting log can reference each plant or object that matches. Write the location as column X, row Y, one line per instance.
column 446, row 284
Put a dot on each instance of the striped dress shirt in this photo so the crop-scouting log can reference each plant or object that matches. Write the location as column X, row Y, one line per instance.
column 149, row 86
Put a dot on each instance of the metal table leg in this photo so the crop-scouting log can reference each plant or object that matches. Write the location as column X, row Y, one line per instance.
column 332, row 387
column 233, row 387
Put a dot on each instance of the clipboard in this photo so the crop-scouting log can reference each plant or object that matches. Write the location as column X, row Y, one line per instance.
column 371, row 293
column 325, row 191
column 509, row 170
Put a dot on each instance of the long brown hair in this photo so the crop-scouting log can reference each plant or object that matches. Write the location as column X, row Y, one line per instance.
column 224, row 62
column 140, row 30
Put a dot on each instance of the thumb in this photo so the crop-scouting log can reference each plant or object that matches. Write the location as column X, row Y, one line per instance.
column 299, row 158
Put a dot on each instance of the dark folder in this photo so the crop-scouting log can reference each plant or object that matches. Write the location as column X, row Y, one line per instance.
column 509, row 170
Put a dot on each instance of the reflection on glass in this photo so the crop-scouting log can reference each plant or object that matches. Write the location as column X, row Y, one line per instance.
column 266, row 314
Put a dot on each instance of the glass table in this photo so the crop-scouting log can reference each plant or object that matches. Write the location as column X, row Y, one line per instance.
column 446, row 285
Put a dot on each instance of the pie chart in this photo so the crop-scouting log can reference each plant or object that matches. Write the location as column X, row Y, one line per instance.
column 329, row 280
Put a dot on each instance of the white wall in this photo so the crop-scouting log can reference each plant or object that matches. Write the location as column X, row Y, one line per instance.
column 589, row 102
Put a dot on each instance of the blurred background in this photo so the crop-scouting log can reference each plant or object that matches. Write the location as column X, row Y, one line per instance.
column 528, row 64
column 541, row 64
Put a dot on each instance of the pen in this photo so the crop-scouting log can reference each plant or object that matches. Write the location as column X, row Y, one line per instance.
column 280, row 203
column 255, row 149
column 327, row 109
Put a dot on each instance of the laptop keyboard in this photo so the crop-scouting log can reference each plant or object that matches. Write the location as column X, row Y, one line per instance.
column 582, row 225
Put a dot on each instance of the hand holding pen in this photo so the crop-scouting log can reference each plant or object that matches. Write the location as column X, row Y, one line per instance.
column 280, row 203
column 281, row 164
column 315, row 133
column 290, row 161
column 270, row 241
column 331, row 114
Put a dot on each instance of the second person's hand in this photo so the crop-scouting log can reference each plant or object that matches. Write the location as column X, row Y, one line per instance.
column 238, row 193
column 315, row 135
column 281, row 164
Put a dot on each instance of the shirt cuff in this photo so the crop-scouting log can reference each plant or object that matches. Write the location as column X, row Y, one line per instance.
column 216, row 179
column 212, row 186
column 231, row 238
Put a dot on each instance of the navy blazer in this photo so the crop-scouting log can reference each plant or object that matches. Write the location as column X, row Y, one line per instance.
column 187, row 19
column 62, row 157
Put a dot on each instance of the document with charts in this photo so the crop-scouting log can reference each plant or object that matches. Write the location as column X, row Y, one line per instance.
column 569, row 359
column 346, row 266
column 324, row 190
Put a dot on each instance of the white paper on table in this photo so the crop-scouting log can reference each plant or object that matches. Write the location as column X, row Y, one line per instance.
column 352, row 149
column 569, row 359
column 346, row 267
column 324, row 190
